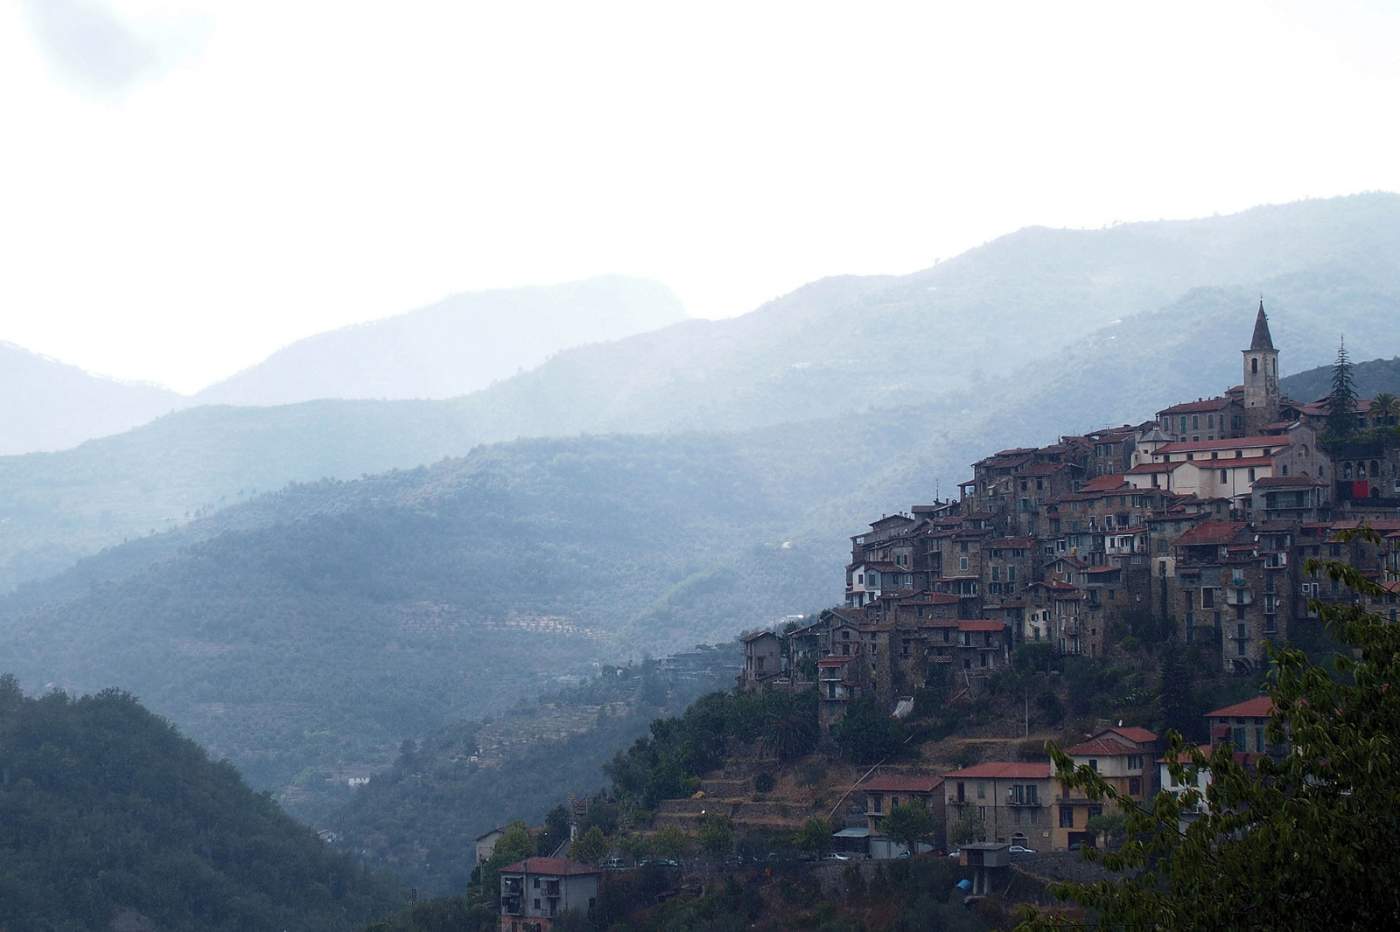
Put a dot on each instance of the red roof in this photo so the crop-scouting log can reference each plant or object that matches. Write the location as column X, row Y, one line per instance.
column 1197, row 407
column 1273, row 482
column 1104, row 483
column 1003, row 770
column 930, row 598
column 1114, row 742
column 1107, row 745
column 1258, row 707
column 981, row 624
column 1099, row 570
column 558, row 867
column 1147, row 468
column 896, row 783
column 1210, row 532
column 1236, row 443
column 834, row 661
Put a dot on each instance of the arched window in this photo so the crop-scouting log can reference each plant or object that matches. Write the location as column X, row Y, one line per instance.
column 1254, row 365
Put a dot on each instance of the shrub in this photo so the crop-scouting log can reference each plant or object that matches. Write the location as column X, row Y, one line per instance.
column 764, row 782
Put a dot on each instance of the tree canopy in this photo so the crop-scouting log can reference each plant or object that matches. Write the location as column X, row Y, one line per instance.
column 1300, row 838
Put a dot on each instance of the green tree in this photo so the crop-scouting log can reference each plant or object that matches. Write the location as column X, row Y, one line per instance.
column 590, row 847
column 909, row 824
column 866, row 734
column 1386, row 408
column 1174, row 704
column 671, row 842
column 1341, row 403
column 513, row 845
column 1109, row 825
column 716, row 835
column 967, row 828
column 1298, row 840
column 814, row 837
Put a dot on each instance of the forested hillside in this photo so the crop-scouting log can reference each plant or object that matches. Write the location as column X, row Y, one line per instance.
column 417, row 597
column 1065, row 314
column 111, row 819
column 471, row 776
column 1371, row 379
column 382, row 608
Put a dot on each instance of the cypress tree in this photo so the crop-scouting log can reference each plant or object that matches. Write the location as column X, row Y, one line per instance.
column 1341, row 403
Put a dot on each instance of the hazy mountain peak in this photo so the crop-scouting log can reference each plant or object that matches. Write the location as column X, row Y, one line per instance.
column 50, row 405
column 458, row 345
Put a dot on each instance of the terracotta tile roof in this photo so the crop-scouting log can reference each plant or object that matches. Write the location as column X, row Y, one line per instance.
column 1104, row 746
column 1147, row 468
column 1210, row 532
column 1104, row 483
column 559, row 867
column 834, row 661
column 1293, row 482
column 930, row 598
column 898, row 783
column 1197, row 407
column 1002, row 770
column 1114, row 742
column 1099, row 570
column 1258, row 707
column 1237, row 443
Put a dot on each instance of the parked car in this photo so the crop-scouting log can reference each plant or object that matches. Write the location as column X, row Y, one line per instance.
column 955, row 853
column 837, row 856
column 1021, row 849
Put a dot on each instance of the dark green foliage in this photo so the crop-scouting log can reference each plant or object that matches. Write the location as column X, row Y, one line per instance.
column 1298, row 839
column 716, row 835
column 669, row 763
column 1051, row 709
column 764, row 783
column 1341, row 401
column 909, row 824
column 867, row 734
column 105, row 808
column 413, row 822
column 1176, row 709
column 448, row 914
column 590, row 847
column 1371, row 378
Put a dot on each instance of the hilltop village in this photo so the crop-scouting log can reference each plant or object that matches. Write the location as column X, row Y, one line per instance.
column 1202, row 518
column 1196, row 524
column 1203, row 515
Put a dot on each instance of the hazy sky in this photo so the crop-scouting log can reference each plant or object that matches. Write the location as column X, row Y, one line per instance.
column 184, row 187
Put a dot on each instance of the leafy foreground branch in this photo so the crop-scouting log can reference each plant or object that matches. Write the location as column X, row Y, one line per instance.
column 1303, row 838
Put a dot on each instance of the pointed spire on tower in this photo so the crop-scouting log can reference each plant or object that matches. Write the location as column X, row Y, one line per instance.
column 1262, row 340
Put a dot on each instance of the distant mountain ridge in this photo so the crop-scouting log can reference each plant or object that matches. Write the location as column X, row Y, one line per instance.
column 459, row 345
column 316, row 626
column 456, row 346
column 49, row 405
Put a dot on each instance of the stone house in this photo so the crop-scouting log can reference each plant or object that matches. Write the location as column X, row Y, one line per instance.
column 537, row 892
column 1125, row 757
column 1007, row 801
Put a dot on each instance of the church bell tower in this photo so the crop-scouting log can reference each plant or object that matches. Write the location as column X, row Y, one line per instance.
column 1261, row 393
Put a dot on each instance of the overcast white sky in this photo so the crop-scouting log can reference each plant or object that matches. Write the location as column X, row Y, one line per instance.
column 185, row 187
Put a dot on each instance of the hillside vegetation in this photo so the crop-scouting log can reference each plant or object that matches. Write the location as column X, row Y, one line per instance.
column 471, row 776
column 113, row 820
column 1066, row 315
